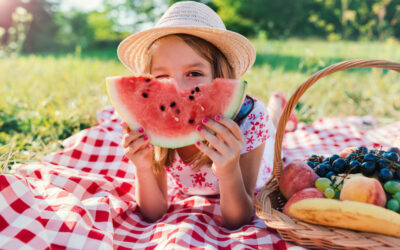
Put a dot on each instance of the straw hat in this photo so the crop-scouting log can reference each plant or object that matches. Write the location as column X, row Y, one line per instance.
column 192, row 18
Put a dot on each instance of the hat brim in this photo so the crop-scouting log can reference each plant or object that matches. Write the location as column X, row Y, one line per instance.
column 238, row 50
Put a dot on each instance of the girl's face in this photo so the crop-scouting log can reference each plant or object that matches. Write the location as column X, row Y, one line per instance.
column 173, row 58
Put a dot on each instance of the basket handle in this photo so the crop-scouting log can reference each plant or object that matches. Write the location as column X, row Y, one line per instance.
column 351, row 64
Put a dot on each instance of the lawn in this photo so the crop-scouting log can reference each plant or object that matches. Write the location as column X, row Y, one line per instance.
column 46, row 98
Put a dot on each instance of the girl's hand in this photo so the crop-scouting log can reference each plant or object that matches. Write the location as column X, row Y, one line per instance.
column 226, row 144
column 137, row 147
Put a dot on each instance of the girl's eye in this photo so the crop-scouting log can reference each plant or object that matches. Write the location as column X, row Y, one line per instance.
column 195, row 74
column 162, row 76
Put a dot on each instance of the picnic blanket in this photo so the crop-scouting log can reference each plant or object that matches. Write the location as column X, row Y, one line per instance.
column 82, row 197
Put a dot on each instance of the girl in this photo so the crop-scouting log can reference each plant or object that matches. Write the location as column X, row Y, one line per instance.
column 191, row 45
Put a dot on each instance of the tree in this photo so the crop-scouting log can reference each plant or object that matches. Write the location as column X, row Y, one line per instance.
column 42, row 28
column 134, row 15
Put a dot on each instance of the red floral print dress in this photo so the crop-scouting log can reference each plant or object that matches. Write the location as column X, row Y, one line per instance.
column 256, row 129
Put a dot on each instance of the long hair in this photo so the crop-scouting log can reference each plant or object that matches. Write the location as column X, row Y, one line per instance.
column 163, row 157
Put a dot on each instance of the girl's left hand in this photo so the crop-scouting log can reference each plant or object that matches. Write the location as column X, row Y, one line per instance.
column 225, row 145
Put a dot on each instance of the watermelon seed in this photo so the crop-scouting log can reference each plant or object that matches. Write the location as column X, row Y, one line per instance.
column 191, row 121
column 147, row 79
column 172, row 104
column 162, row 107
column 191, row 97
column 193, row 92
column 178, row 111
column 145, row 95
column 176, row 118
column 202, row 108
column 197, row 89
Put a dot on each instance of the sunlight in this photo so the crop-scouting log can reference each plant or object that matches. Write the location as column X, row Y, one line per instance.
column 78, row 4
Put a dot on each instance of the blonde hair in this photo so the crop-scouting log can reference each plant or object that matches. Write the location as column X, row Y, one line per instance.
column 220, row 68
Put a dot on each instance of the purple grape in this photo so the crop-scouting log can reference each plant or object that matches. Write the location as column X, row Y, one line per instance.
column 385, row 175
column 368, row 168
column 362, row 150
column 355, row 166
column 339, row 165
column 370, row 157
column 351, row 156
column 394, row 149
column 382, row 163
column 392, row 156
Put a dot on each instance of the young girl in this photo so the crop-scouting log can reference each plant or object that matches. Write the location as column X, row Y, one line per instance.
column 191, row 45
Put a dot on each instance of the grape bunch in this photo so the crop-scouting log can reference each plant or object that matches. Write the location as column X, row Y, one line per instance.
column 384, row 164
column 381, row 164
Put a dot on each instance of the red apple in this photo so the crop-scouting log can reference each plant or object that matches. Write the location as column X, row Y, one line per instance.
column 297, row 175
column 306, row 193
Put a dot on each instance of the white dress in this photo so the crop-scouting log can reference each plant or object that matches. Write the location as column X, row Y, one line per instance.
column 256, row 128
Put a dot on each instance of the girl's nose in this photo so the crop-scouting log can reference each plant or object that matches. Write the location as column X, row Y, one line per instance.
column 180, row 81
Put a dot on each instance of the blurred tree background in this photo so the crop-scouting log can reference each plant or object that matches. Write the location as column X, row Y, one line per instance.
column 53, row 29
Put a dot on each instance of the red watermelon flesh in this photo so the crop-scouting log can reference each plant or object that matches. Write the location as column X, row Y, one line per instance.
column 168, row 114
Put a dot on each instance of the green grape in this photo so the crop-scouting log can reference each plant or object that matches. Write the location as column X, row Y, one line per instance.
column 338, row 187
column 322, row 183
column 392, row 187
column 393, row 204
column 329, row 193
column 397, row 196
column 337, row 194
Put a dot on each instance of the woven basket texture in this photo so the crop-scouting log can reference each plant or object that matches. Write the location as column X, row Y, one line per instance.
column 269, row 201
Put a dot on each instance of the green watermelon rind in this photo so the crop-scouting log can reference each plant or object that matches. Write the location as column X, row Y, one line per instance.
column 157, row 140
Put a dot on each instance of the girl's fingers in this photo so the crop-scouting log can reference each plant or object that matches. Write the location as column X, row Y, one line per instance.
column 222, row 132
column 232, row 126
column 211, row 153
column 215, row 142
column 137, row 145
column 125, row 127
column 132, row 136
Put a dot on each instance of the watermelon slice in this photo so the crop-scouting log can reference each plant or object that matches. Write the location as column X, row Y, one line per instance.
column 169, row 115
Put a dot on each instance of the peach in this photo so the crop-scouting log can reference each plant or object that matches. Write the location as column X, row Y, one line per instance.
column 345, row 152
column 363, row 189
column 297, row 175
column 396, row 142
column 306, row 193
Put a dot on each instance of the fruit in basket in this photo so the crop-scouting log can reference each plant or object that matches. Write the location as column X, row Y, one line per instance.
column 385, row 174
column 392, row 187
column 347, row 214
column 363, row 189
column 306, row 193
column 393, row 205
column 396, row 143
column 297, row 175
column 323, row 183
column 346, row 151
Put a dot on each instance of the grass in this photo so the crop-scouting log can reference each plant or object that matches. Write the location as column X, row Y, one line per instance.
column 47, row 98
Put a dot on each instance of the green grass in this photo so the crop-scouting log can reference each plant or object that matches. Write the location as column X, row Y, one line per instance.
column 47, row 98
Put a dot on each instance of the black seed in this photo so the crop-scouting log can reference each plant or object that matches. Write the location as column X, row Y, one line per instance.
column 147, row 79
column 193, row 92
column 145, row 95
column 197, row 89
column 173, row 104
column 178, row 111
column 162, row 107
column 191, row 97
column 191, row 121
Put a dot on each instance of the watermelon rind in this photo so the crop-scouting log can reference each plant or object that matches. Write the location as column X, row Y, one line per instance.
column 121, row 110
column 185, row 140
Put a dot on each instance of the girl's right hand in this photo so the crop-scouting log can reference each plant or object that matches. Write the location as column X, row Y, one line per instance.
column 137, row 147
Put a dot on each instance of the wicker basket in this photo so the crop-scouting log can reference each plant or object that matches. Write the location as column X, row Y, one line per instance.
column 269, row 202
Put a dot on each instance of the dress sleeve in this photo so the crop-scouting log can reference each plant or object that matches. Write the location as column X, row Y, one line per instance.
column 257, row 128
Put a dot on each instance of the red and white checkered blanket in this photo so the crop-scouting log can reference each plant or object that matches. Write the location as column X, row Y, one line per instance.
column 83, row 196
